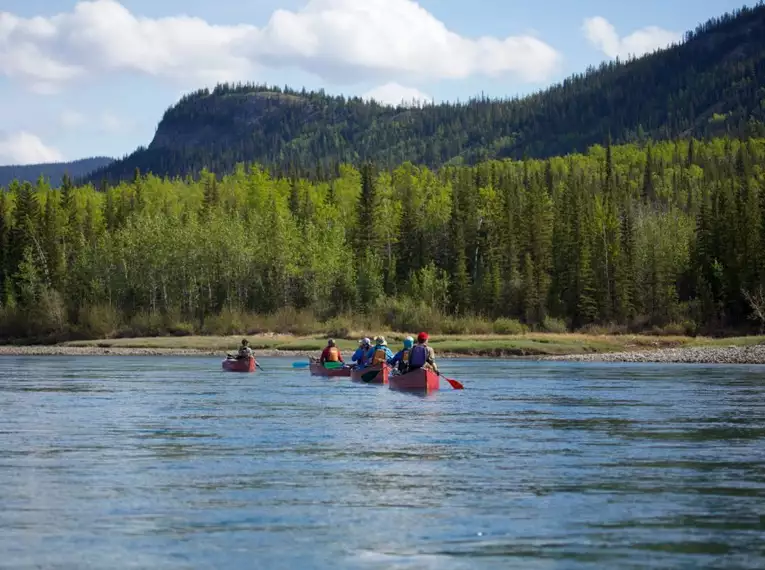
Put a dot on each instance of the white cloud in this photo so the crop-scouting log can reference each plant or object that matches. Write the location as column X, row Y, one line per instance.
column 104, row 122
column 334, row 39
column 602, row 34
column 395, row 94
column 25, row 148
column 71, row 119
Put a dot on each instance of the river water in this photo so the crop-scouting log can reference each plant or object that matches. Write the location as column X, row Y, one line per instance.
column 157, row 462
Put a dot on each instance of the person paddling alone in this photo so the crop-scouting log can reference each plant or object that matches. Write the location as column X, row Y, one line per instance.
column 331, row 353
column 244, row 351
column 422, row 355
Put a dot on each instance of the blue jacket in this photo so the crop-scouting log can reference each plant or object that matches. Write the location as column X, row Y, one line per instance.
column 398, row 357
column 359, row 356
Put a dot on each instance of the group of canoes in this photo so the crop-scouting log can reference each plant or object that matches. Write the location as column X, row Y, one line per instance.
column 412, row 368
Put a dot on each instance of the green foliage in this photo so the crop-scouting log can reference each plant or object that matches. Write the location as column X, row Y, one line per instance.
column 509, row 326
column 501, row 247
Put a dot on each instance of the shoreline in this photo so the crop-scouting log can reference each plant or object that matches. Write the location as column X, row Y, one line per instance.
column 753, row 354
column 58, row 350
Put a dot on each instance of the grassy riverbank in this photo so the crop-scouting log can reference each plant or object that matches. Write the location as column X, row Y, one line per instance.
column 532, row 344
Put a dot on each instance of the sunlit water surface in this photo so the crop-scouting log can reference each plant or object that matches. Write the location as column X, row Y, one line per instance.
column 144, row 462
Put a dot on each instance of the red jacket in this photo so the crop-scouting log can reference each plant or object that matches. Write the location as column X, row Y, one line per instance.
column 325, row 355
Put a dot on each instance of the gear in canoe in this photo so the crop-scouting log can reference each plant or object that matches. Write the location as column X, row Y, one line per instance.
column 244, row 361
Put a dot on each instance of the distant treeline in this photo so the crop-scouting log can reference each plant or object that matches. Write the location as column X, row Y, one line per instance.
column 668, row 236
column 53, row 171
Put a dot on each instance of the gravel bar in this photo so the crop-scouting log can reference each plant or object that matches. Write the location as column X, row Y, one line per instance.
column 690, row 355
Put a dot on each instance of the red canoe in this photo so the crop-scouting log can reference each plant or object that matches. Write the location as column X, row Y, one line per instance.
column 243, row 365
column 318, row 369
column 365, row 376
column 419, row 380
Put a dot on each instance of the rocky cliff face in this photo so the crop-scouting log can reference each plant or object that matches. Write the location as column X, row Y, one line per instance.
column 220, row 120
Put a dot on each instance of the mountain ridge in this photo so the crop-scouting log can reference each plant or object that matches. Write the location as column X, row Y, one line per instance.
column 709, row 84
column 53, row 171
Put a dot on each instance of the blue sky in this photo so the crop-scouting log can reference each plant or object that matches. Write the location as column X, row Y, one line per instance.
column 93, row 77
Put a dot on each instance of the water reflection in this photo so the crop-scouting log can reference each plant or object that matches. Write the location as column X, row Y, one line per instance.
column 169, row 463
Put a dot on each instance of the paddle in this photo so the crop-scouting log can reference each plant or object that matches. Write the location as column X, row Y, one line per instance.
column 369, row 376
column 456, row 385
column 329, row 365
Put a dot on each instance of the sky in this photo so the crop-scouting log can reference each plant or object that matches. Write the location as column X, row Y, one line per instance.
column 93, row 77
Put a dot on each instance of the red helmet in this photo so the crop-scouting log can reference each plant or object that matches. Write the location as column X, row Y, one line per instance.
column 422, row 337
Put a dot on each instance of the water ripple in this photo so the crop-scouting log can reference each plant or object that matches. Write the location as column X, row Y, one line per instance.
column 156, row 462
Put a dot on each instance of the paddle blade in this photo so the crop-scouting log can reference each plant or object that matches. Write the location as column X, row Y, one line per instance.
column 369, row 376
column 456, row 385
column 301, row 364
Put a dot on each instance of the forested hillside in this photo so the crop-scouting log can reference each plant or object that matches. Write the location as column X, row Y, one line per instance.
column 53, row 171
column 712, row 84
column 671, row 234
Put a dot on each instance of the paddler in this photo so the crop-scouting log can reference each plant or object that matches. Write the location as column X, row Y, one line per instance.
column 379, row 353
column 401, row 359
column 331, row 353
column 422, row 355
column 359, row 357
column 244, row 350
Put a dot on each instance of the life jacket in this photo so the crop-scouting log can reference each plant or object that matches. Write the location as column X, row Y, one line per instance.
column 403, row 364
column 379, row 356
column 418, row 357
column 333, row 355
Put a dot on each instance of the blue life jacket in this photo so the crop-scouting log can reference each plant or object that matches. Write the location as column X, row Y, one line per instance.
column 419, row 356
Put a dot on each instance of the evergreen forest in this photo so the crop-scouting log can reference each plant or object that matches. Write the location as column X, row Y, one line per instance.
column 663, row 236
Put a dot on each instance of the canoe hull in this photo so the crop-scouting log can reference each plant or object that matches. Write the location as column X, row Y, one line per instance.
column 318, row 369
column 419, row 380
column 363, row 375
column 243, row 365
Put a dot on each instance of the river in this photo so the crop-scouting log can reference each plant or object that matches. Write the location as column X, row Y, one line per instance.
column 161, row 462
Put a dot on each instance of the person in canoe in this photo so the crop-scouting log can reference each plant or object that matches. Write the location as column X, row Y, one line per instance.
column 422, row 355
column 379, row 353
column 359, row 357
column 331, row 353
column 401, row 359
column 244, row 350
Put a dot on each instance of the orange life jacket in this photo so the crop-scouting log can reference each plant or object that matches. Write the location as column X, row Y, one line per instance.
column 379, row 357
column 333, row 355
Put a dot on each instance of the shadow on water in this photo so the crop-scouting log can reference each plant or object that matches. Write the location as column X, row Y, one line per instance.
column 172, row 463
